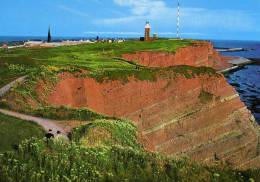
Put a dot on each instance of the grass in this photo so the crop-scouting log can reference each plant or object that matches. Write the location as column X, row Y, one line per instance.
column 107, row 133
column 106, row 149
column 102, row 62
column 67, row 113
column 151, row 74
column 205, row 97
column 13, row 131
column 26, row 92
column 93, row 57
column 58, row 113
column 121, row 160
column 6, row 76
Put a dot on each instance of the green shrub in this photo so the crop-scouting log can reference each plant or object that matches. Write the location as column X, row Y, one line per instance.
column 67, row 113
column 205, row 97
column 107, row 132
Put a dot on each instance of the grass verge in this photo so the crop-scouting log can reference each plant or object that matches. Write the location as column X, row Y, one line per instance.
column 13, row 131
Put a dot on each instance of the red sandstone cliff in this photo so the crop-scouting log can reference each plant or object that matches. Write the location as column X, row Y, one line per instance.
column 198, row 54
column 171, row 113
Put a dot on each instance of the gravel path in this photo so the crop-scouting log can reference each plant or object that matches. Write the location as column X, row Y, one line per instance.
column 47, row 124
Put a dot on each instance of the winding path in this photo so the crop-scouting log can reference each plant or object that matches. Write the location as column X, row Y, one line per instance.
column 47, row 124
column 7, row 87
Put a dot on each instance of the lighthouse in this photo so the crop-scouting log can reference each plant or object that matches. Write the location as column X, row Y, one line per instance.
column 147, row 32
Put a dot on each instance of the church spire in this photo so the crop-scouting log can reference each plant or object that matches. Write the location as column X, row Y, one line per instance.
column 49, row 35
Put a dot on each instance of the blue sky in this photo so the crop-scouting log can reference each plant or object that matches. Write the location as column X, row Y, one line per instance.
column 208, row 19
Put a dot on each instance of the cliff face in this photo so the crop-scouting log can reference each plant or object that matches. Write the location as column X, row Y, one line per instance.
column 201, row 117
column 198, row 54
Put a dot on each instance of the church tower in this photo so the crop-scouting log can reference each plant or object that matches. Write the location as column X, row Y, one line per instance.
column 147, row 32
column 49, row 35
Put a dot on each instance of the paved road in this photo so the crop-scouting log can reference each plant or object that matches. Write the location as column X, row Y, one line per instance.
column 47, row 124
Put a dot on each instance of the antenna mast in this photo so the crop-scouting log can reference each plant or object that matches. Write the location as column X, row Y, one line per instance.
column 178, row 20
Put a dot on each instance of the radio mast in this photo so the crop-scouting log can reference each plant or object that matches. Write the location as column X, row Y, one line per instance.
column 178, row 20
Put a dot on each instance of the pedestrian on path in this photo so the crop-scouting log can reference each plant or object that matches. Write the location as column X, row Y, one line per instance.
column 49, row 135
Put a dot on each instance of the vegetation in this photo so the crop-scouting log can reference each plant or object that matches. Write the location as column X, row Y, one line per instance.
column 59, row 113
column 5, row 75
column 100, row 61
column 25, row 94
column 66, row 113
column 106, row 148
column 205, row 96
column 114, row 158
column 93, row 57
column 152, row 74
column 107, row 133
column 13, row 131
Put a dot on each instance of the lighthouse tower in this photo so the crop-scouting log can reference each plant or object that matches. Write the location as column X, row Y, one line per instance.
column 147, row 32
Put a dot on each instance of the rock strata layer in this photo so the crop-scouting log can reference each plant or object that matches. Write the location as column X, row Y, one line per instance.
column 198, row 54
column 202, row 117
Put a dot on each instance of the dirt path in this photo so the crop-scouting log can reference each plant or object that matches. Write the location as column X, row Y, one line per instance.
column 47, row 124
column 6, row 88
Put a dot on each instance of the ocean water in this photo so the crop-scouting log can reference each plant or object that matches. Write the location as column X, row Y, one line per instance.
column 247, row 83
column 18, row 39
column 247, row 79
column 254, row 47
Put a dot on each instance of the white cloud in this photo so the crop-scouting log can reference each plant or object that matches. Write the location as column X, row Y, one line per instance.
column 113, row 33
column 73, row 11
column 142, row 7
column 94, row 1
column 183, row 33
column 137, row 33
column 191, row 17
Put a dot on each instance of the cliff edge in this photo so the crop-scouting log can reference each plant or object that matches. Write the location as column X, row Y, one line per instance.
column 201, row 117
column 184, row 109
column 200, row 53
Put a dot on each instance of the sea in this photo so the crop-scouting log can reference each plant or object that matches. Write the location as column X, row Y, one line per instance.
column 245, row 80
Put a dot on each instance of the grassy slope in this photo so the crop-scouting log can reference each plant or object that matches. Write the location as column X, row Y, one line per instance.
column 98, row 59
column 88, row 56
column 110, row 155
column 13, row 131
column 6, row 76
column 111, row 151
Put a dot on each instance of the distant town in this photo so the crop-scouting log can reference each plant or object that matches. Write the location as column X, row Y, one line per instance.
column 50, row 43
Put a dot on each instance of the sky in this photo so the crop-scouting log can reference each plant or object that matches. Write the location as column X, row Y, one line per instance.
column 202, row 19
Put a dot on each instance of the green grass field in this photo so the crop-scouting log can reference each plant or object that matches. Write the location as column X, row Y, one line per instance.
column 13, row 131
column 101, row 60
column 92, row 57
column 5, row 75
